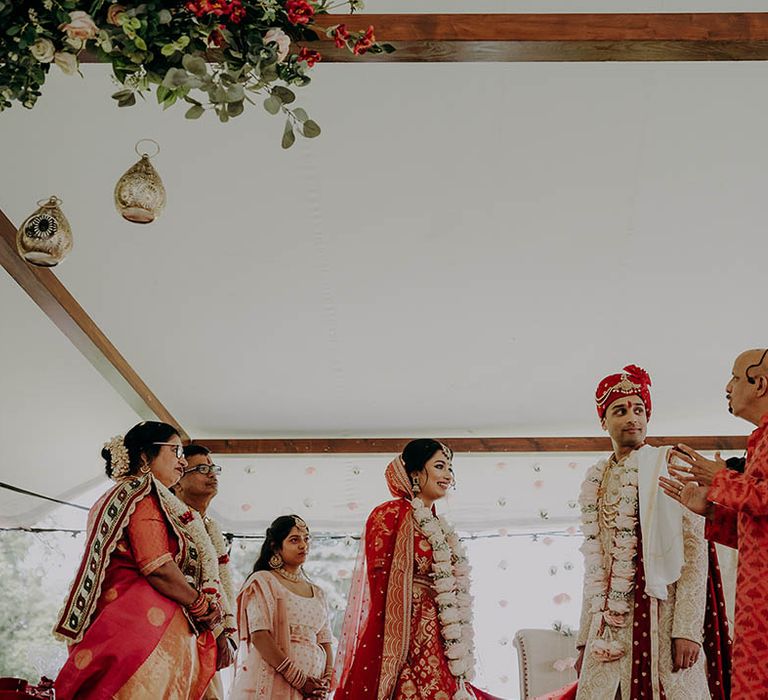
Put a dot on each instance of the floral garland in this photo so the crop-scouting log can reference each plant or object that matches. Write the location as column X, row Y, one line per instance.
column 217, row 55
column 209, row 558
column 222, row 552
column 610, row 592
column 450, row 570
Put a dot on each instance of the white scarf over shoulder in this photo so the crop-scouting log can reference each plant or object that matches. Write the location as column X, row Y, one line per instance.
column 661, row 522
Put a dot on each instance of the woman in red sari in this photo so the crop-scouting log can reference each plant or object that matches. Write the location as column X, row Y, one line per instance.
column 408, row 631
column 141, row 616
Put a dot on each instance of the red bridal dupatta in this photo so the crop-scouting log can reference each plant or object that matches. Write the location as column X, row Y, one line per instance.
column 127, row 639
column 376, row 633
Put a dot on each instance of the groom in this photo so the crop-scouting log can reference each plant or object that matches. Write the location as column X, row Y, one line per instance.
column 645, row 569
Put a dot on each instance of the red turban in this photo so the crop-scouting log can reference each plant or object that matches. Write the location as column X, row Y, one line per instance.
column 633, row 381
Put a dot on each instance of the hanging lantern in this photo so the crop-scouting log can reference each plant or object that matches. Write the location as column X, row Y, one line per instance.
column 139, row 193
column 45, row 237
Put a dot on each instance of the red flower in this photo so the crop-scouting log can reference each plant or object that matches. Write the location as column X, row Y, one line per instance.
column 187, row 517
column 237, row 12
column 364, row 42
column 233, row 9
column 309, row 56
column 340, row 36
column 224, row 559
column 216, row 38
column 299, row 11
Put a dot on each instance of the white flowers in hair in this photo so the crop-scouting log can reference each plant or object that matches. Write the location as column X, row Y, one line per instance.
column 119, row 461
column 610, row 591
column 450, row 572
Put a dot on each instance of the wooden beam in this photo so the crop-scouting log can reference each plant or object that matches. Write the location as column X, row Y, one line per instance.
column 238, row 446
column 611, row 27
column 60, row 306
column 666, row 36
column 723, row 36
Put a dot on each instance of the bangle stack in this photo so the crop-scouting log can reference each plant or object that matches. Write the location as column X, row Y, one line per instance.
column 295, row 677
column 199, row 607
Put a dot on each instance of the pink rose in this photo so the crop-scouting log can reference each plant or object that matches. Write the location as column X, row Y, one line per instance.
column 80, row 27
column 283, row 41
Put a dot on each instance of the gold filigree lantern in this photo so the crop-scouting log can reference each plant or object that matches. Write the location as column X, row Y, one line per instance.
column 139, row 193
column 45, row 237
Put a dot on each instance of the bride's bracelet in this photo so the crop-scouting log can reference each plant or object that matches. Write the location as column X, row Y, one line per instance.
column 295, row 677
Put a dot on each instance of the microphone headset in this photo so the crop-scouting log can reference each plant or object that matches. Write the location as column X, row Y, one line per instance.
column 751, row 380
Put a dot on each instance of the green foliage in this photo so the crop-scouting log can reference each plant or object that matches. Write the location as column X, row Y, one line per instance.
column 172, row 48
column 29, row 605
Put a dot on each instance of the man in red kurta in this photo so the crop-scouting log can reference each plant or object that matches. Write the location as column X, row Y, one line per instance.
column 736, row 507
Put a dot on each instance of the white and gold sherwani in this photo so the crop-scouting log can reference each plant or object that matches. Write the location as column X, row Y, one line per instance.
column 681, row 615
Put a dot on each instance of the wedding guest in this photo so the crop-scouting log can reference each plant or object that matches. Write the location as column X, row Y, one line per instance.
column 137, row 616
column 282, row 619
column 197, row 487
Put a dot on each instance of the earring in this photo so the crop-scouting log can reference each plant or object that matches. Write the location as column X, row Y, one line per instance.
column 416, row 488
column 145, row 468
column 275, row 561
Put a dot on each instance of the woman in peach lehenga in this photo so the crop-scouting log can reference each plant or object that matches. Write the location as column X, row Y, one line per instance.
column 408, row 630
column 285, row 639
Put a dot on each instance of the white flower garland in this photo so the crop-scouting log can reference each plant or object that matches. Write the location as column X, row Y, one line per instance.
column 450, row 570
column 209, row 557
column 220, row 545
column 609, row 592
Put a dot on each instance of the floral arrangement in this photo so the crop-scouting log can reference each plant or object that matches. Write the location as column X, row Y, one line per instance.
column 610, row 592
column 450, row 570
column 213, row 55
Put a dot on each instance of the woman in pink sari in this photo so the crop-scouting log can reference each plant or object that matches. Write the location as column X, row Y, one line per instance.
column 408, row 626
column 142, row 613
column 285, row 650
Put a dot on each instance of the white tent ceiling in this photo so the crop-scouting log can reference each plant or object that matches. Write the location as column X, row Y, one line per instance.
column 465, row 250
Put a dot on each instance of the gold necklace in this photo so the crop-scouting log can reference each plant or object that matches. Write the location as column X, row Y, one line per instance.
column 296, row 578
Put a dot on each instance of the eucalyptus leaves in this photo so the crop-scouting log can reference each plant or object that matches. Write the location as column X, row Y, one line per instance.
column 215, row 55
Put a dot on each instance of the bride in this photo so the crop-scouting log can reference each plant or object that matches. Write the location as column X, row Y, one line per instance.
column 407, row 631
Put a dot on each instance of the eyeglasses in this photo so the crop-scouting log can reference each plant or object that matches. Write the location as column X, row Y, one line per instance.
column 204, row 469
column 178, row 448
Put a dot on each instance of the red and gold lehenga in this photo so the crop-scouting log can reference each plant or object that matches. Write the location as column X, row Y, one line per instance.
column 391, row 645
column 126, row 639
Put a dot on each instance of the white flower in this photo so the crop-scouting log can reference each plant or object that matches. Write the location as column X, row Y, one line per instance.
column 283, row 41
column 442, row 568
column 445, row 584
column 452, row 631
column 464, row 599
column 430, row 527
column 449, row 616
column 457, row 650
column 66, row 61
column 446, row 598
column 461, row 568
column 459, row 667
column 43, row 50
column 622, row 585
